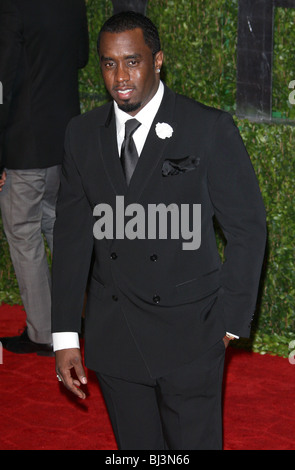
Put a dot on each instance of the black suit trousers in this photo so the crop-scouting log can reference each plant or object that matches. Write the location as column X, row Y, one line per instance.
column 180, row 411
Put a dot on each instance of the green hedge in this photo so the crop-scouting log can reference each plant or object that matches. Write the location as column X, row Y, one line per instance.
column 199, row 40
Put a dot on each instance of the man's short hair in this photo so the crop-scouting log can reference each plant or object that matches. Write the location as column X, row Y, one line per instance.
column 128, row 20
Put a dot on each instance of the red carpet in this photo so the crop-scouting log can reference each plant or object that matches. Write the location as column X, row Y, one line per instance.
column 37, row 413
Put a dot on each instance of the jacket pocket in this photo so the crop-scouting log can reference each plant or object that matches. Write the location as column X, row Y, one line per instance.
column 200, row 287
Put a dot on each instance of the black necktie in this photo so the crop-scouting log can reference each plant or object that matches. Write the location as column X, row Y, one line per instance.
column 129, row 155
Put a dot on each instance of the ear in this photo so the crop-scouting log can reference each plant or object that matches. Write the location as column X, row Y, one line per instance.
column 158, row 62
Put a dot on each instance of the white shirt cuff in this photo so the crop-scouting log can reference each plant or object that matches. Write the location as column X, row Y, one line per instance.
column 65, row 340
column 235, row 336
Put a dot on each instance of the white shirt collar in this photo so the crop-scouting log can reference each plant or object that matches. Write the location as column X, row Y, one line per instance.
column 145, row 116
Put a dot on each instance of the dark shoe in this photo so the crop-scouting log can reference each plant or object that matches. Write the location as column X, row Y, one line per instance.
column 23, row 345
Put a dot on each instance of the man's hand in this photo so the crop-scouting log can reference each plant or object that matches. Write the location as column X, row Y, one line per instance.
column 65, row 360
column 2, row 179
column 226, row 341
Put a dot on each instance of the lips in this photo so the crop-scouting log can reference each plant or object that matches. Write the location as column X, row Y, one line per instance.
column 124, row 93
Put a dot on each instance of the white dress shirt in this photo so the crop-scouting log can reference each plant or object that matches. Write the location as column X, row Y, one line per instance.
column 145, row 116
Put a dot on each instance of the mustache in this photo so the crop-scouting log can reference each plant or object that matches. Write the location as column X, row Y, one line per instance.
column 123, row 86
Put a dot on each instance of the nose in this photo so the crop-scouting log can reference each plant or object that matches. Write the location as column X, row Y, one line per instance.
column 122, row 74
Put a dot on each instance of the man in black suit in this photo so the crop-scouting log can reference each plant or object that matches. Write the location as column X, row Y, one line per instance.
column 161, row 307
column 42, row 46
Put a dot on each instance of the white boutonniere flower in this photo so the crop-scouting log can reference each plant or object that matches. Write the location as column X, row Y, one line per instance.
column 164, row 130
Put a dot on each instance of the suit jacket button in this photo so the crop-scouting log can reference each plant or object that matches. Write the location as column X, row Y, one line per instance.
column 153, row 257
column 114, row 256
column 115, row 298
column 156, row 299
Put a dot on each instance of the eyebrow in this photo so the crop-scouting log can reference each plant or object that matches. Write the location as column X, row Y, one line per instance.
column 131, row 56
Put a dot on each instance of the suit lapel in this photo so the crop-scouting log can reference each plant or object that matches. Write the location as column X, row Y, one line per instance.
column 110, row 156
column 153, row 149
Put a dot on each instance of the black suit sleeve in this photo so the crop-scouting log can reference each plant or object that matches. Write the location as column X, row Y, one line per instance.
column 239, row 209
column 11, row 39
column 72, row 249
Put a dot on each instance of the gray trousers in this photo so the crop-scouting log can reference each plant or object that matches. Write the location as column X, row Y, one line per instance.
column 27, row 204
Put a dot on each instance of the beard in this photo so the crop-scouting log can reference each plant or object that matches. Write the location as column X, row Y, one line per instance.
column 129, row 107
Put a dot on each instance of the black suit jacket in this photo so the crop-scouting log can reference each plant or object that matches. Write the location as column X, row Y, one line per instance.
column 42, row 46
column 151, row 302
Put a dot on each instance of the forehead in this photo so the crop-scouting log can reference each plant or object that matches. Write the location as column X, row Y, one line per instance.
column 129, row 42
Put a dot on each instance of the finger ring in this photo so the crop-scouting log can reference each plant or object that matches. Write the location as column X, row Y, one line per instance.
column 58, row 378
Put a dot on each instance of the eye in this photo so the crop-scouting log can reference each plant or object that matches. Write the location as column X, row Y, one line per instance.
column 133, row 63
column 109, row 64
